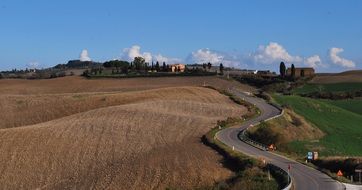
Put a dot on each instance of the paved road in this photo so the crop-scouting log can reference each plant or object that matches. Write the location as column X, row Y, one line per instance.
column 304, row 177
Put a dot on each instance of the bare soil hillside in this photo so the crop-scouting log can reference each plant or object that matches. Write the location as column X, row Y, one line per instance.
column 78, row 84
column 345, row 77
column 88, row 134
column 20, row 110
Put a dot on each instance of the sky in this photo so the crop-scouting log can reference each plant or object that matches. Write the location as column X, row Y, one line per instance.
column 250, row 34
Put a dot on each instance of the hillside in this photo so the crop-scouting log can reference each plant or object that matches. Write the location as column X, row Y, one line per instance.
column 98, row 137
column 353, row 105
column 341, row 127
column 344, row 77
column 328, row 87
column 80, row 85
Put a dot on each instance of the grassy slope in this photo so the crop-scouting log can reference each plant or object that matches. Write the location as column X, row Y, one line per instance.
column 334, row 87
column 343, row 128
column 353, row 105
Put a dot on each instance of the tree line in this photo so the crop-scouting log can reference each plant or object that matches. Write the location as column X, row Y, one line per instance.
column 140, row 65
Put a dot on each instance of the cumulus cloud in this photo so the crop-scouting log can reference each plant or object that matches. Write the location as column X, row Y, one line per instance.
column 33, row 65
column 160, row 58
column 273, row 53
column 135, row 51
column 206, row 55
column 314, row 61
column 336, row 59
column 84, row 56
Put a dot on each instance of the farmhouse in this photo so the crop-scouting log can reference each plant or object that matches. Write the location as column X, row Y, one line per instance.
column 301, row 71
column 178, row 68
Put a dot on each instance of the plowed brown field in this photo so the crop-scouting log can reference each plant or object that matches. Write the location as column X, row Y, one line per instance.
column 345, row 77
column 98, row 137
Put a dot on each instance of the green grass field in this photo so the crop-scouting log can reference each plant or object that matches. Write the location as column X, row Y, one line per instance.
column 343, row 128
column 334, row 87
column 353, row 105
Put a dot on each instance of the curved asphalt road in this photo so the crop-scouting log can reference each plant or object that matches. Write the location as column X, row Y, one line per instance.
column 304, row 177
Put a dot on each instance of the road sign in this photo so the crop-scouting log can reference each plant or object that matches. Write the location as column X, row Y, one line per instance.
column 271, row 147
column 310, row 156
column 339, row 173
column 315, row 155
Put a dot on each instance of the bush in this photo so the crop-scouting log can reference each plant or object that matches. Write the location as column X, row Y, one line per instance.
column 333, row 165
column 265, row 135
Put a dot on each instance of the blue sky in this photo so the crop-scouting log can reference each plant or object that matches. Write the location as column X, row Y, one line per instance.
column 248, row 34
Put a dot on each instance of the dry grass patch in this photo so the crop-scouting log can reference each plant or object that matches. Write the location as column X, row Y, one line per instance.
column 285, row 129
column 345, row 77
column 77, row 84
column 134, row 140
column 20, row 110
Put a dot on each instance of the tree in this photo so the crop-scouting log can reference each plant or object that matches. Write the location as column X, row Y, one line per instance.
column 164, row 68
column 118, row 64
column 131, row 66
column 204, row 66
column 221, row 68
column 209, row 65
column 293, row 71
column 157, row 67
column 86, row 73
column 139, row 63
column 282, row 69
column 147, row 67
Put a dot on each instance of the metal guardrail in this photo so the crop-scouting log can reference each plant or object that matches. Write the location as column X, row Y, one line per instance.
column 243, row 137
column 290, row 184
column 283, row 173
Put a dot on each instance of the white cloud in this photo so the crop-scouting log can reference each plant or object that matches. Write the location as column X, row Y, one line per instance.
column 215, row 57
column 336, row 59
column 160, row 58
column 314, row 61
column 33, row 65
column 205, row 56
column 274, row 53
column 84, row 56
column 135, row 51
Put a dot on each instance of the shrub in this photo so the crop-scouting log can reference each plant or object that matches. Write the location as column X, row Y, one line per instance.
column 265, row 135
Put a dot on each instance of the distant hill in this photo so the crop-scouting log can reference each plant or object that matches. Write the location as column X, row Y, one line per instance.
column 77, row 64
column 354, row 76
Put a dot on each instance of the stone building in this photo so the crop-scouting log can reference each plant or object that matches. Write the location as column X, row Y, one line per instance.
column 301, row 71
column 178, row 68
